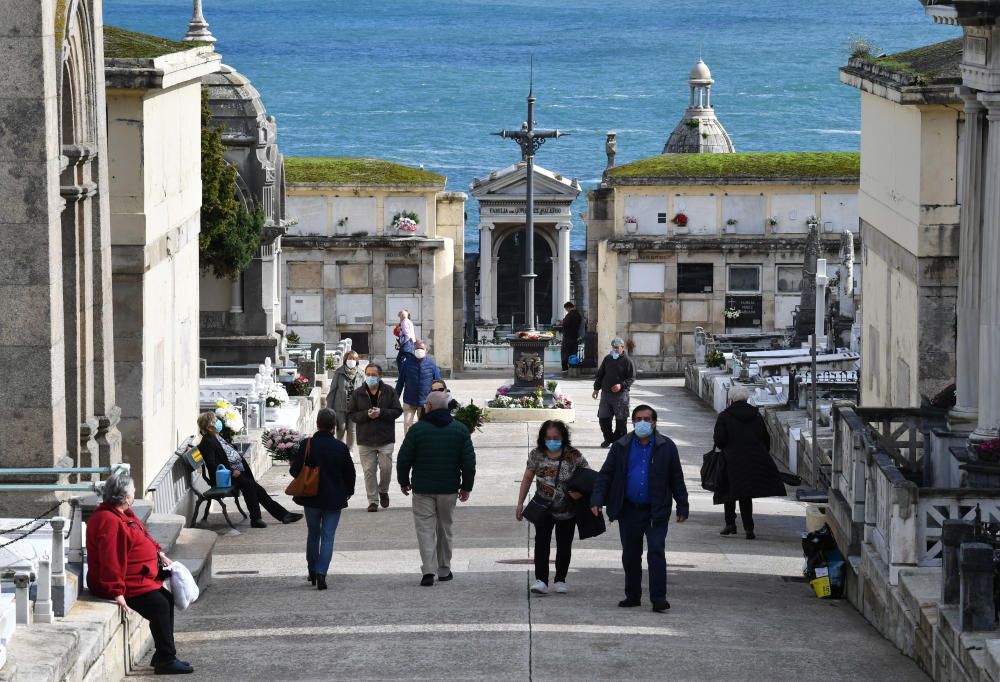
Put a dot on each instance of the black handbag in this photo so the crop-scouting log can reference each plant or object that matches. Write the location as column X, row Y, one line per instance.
column 539, row 506
column 713, row 465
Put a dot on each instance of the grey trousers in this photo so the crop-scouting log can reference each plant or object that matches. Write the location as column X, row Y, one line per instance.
column 372, row 459
column 347, row 428
column 432, row 516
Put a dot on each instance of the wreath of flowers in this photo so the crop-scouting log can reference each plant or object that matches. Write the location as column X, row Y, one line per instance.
column 731, row 313
column 405, row 221
column 680, row 220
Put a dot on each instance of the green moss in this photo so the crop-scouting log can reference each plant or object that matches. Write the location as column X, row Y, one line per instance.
column 924, row 64
column 749, row 165
column 122, row 44
column 334, row 170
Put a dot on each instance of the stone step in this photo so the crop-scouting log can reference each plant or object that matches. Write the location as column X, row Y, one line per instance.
column 194, row 549
column 165, row 528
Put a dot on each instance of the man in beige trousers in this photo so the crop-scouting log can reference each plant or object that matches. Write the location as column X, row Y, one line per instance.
column 438, row 452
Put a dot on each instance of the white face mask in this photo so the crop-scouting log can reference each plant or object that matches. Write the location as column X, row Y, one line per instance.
column 351, row 363
column 420, row 353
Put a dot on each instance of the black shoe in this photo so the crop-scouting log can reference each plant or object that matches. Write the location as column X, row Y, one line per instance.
column 174, row 667
column 320, row 581
column 291, row 517
column 427, row 580
column 605, row 444
column 728, row 530
column 312, row 577
column 448, row 577
column 661, row 606
column 257, row 523
column 628, row 603
column 751, row 535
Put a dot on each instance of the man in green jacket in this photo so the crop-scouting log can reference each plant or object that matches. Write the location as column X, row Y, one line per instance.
column 438, row 450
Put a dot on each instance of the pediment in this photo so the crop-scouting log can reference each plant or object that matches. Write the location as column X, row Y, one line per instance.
column 509, row 183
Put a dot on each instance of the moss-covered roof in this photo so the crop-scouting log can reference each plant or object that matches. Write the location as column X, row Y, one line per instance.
column 342, row 170
column 120, row 43
column 939, row 62
column 753, row 165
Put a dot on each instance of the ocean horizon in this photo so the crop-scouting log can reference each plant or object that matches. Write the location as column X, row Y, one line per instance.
column 426, row 83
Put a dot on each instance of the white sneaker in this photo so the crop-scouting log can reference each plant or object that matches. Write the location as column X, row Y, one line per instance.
column 562, row 588
column 539, row 587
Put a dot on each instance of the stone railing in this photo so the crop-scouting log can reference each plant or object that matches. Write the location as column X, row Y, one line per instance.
column 938, row 507
column 501, row 356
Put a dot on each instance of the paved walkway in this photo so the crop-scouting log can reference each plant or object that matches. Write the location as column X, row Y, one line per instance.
column 738, row 611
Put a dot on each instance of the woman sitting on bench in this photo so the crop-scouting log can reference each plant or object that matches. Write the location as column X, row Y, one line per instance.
column 217, row 451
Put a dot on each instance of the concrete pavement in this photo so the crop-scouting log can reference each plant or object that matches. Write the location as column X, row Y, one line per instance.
column 738, row 612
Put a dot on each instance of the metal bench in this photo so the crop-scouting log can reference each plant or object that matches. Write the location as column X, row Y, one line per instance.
column 196, row 463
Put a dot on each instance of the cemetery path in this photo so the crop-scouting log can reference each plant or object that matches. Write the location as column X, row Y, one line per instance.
column 738, row 610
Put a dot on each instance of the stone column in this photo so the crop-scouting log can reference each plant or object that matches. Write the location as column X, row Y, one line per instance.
column 562, row 294
column 989, row 293
column 969, row 264
column 236, row 295
column 486, row 311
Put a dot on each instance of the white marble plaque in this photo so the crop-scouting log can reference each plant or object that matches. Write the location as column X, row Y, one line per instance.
column 839, row 212
column 791, row 212
column 646, row 278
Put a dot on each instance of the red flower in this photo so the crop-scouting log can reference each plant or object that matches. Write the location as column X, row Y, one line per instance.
column 680, row 220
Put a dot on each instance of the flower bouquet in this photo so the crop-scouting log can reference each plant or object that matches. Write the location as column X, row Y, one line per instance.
column 299, row 386
column 405, row 221
column 680, row 220
column 731, row 313
column 232, row 420
column 988, row 451
column 535, row 336
column 281, row 442
column 472, row 416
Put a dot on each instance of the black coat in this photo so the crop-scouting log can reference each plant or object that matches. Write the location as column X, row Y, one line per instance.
column 336, row 471
column 571, row 327
column 213, row 454
column 742, row 437
column 375, row 432
column 583, row 481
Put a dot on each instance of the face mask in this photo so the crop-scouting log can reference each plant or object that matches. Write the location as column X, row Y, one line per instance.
column 420, row 353
column 615, row 355
column 351, row 364
column 553, row 445
column 371, row 381
column 643, row 429
column 218, row 425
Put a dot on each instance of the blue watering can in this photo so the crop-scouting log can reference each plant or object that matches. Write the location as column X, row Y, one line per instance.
column 223, row 477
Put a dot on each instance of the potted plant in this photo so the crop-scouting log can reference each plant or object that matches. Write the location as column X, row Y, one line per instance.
column 472, row 416
column 715, row 358
column 405, row 221
column 631, row 223
column 983, row 467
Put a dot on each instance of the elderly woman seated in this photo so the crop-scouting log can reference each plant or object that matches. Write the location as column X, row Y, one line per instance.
column 124, row 564
column 216, row 451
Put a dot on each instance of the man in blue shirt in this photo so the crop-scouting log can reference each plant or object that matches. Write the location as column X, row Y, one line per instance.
column 638, row 483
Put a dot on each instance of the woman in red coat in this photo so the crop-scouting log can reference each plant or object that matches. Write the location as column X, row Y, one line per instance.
column 123, row 564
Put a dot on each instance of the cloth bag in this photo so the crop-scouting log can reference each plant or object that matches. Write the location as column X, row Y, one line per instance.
column 539, row 506
column 182, row 585
column 712, row 470
column 306, row 484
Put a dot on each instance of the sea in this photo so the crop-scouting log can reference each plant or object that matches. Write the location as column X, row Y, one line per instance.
column 426, row 82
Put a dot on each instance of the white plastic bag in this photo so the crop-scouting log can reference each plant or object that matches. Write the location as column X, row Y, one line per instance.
column 182, row 585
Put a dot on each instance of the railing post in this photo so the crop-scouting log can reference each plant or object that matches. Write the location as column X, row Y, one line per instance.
column 58, row 550
column 976, row 607
column 43, row 597
column 22, row 581
column 953, row 533
column 76, row 534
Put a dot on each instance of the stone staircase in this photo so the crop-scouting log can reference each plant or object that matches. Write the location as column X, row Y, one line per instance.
column 92, row 642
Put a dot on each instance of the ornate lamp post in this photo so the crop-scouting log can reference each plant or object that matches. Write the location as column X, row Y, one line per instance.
column 529, row 344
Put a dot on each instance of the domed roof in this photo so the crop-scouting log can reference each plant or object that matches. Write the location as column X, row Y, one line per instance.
column 699, row 133
column 700, row 72
column 235, row 104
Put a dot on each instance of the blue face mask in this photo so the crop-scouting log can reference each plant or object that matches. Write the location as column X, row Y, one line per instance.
column 643, row 429
column 218, row 425
column 371, row 381
column 553, row 445
column 615, row 355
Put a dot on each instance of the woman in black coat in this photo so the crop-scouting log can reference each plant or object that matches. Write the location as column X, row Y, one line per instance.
column 750, row 471
column 336, row 484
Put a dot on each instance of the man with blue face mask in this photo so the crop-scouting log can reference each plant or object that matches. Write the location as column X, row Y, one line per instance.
column 374, row 408
column 638, row 484
column 614, row 378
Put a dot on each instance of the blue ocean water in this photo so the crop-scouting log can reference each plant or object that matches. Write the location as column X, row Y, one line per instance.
column 427, row 82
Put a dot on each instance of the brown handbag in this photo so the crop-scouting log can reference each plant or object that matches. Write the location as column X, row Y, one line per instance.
column 306, row 484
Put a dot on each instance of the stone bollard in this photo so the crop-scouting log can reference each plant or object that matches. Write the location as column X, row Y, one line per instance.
column 76, row 534
column 976, row 600
column 43, row 597
column 22, row 582
column 953, row 533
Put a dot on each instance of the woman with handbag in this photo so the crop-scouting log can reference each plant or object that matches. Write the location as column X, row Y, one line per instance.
column 748, row 469
column 125, row 564
column 551, row 465
column 324, row 479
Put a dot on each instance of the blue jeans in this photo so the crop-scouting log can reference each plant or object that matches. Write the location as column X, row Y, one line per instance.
column 322, row 525
column 634, row 523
